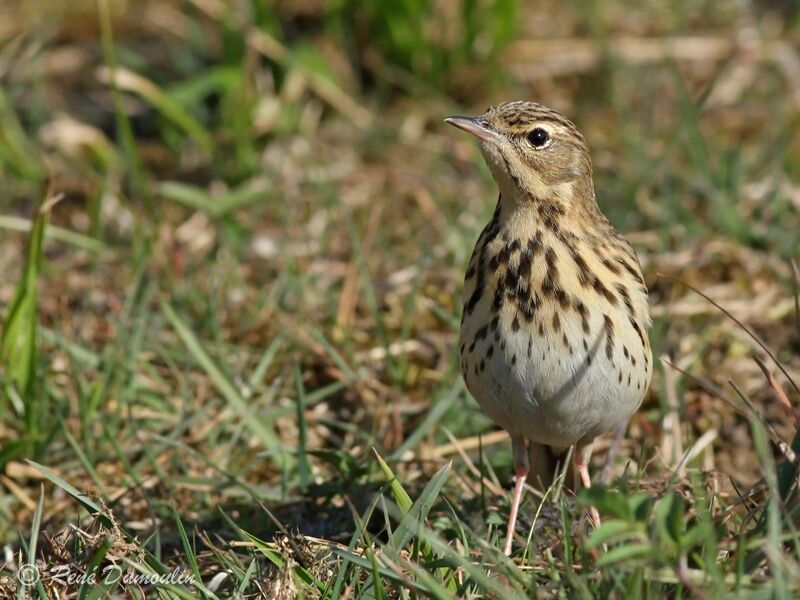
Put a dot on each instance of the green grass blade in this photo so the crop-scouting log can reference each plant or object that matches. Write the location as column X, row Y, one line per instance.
column 35, row 526
column 383, row 571
column 641, row 551
column 18, row 342
column 248, row 575
column 16, row 150
column 139, row 85
column 303, row 466
column 236, row 401
column 401, row 497
column 358, row 534
column 53, row 232
column 264, row 363
column 418, row 512
column 87, row 502
column 275, row 558
column 91, row 569
column 612, row 530
column 433, row 416
column 215, row 206
column 190, row 554
column 123, row 124
column 84, row 460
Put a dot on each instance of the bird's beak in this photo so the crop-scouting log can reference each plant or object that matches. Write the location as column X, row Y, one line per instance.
column 477, row 126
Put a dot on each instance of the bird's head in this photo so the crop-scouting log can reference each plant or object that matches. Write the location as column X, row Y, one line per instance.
column 532, row 151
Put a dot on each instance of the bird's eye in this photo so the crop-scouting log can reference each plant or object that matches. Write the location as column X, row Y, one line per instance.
column 538, row 137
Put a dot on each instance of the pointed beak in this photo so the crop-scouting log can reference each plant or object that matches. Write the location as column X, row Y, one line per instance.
column 477, row 126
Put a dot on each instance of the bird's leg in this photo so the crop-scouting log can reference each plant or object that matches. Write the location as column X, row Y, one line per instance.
column 612, row 452
column 582, row 455
column 521, row 468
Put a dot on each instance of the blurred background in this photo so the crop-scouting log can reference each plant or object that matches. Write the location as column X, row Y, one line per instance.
column 233, row 237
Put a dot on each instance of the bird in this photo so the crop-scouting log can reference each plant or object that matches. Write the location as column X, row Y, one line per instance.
column 553, row 340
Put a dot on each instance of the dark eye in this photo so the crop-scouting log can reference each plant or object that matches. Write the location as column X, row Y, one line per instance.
column 538, row 137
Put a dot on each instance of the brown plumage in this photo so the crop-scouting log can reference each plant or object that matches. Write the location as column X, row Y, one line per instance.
column 554, row 328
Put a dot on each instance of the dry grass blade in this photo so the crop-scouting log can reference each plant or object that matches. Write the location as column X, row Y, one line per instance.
column 744, row 327
column 326, row 89
column 694, row 451
column 671, row 435
column 277, row 172
column 706, row 385
column 779, row 393
column 464, row 444
column 796, row 280
column 785, row 449
column 349, row 296
column 490, row 485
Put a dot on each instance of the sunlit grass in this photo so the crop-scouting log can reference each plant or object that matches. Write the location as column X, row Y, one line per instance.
column 232, row 350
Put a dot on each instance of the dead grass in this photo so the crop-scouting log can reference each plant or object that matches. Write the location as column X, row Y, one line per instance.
column 309, row 225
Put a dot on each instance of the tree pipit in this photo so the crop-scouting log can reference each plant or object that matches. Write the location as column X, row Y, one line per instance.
column 554, row 340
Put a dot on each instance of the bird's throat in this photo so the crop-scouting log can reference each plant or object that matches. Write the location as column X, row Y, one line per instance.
column 572, row 204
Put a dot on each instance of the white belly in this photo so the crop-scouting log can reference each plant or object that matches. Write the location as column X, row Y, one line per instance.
column 554, row 388
column 553, row 337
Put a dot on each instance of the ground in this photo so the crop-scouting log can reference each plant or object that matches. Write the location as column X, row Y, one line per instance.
column 233, row 238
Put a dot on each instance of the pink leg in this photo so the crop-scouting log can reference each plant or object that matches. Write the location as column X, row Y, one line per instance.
column 582, row 455
column 521, row 468
column 612, row 452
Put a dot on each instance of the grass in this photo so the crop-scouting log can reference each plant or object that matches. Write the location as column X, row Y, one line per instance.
column 232, row 238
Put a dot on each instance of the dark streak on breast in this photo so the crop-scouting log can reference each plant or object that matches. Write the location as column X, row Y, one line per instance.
column 629, row 268
column 609, row 327
column 584, row 313
column 626, row 299
column 488, row 234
